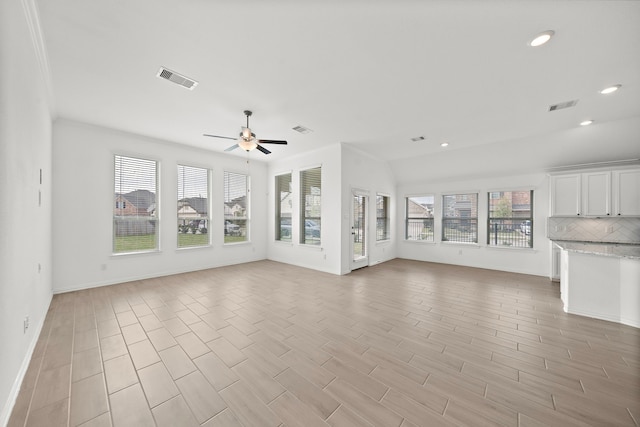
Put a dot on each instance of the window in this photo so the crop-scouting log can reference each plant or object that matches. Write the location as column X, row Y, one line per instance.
column 135, row 220
column 193, row 206
column 383, row 231
column 236, row 218
column 284, row 207
column 510, row 221
column 460, row 218
column 419, row 218
column 310, row 203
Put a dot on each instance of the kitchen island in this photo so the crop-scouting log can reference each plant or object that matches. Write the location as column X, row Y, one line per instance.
column 601, row 280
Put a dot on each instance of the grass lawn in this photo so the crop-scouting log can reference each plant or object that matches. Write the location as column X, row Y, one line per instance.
column 145, row 242
column 234, row 239
column 188, row 239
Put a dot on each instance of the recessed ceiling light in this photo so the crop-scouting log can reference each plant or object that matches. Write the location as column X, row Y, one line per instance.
column 610, row 89
column 586, row 123
column 542, row 38
column 444, row 144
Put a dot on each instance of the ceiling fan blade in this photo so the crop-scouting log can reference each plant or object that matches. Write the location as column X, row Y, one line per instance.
column 264, row 150
column 233, row 147
column 218, row 136
column 272, row 141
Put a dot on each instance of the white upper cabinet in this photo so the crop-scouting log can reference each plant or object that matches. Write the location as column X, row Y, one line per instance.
column 596, row 193
column 565, row 195
column 626, row 192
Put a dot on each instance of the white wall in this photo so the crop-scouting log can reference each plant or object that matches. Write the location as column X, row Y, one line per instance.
column 327, row 257
column 364, row 173
column 83, row 208
column 534, row 261
column 25, row 224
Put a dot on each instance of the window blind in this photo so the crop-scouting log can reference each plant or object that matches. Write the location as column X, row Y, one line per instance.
column 236, row 215
column 310, row 206
column 135, row 219
column 284, row 207
column 193, row 206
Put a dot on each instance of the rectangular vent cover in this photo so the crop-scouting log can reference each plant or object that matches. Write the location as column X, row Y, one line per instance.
column 418, row 138
column 563, row 105
column 301, row 129
column 174, row 77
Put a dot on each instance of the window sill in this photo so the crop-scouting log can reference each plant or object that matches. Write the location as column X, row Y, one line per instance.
column 126, row 254
column 246, row 242
column 465, row 244
column 420, row 242
column 511, row 248
column 189, row 248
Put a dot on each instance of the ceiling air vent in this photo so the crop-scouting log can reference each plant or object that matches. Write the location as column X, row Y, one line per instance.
column 562, row 105
column 301, row 129
column 174, row 77
column 418, row 138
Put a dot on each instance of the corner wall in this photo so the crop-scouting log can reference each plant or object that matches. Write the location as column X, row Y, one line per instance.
column 83, row 208
column 25, row 209
column 327, row 257
column 370, row 176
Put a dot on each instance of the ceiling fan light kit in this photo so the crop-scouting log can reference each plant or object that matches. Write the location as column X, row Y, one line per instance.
column 247, row 140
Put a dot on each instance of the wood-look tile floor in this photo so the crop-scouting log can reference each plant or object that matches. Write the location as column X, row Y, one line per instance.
column 402, row 343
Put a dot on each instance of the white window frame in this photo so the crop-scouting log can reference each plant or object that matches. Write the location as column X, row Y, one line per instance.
column 121, row 222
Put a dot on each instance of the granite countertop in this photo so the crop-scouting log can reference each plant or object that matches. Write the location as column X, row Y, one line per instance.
column 621, row 250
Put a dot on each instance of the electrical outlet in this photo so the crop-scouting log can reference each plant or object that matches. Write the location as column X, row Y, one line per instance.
column 26, row 324
column 608, row 229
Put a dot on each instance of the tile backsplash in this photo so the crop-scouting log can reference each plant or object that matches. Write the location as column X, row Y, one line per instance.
column 614, row 230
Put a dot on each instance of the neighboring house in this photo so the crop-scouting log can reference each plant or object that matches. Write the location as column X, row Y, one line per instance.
column 191, row 207
column 138, row 202
column 519, row 202
column 139, row 207
column 236, row 208
column 415, row 210
column 460, row 206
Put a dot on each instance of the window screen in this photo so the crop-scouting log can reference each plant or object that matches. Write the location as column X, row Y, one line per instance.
column 460, row 218
column 193, row 206
column 310, row 203
column 284, row 207
column 510, row 220
column 135, row 220
column 236, row 208
column 383, row 231
column 419, row 218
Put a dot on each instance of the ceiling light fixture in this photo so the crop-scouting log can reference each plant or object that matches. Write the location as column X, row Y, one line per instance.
column 541, row 38
column 586, row 123
column 610, row 89
column 444, row 144
column 247, row 139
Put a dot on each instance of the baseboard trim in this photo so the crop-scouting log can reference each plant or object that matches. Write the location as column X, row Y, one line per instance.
column 15, row 388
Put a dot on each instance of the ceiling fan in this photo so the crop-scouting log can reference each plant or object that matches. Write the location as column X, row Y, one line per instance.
column 247, row 139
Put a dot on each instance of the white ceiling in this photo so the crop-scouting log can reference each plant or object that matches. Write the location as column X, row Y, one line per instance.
column 372, row 74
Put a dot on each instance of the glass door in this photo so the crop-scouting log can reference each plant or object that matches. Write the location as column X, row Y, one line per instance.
column 359, row 233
